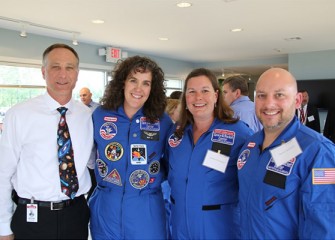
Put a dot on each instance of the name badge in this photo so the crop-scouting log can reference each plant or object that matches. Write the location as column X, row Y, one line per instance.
column 216, row 161
column 32, row 212
column 311, row 118
column 285, row 152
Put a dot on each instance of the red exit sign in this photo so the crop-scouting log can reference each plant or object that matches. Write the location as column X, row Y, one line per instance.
column 113, row 54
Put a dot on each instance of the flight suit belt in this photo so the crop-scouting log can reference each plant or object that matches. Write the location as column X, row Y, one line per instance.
column 204, row 207
column 135, row 192
column 52, row 205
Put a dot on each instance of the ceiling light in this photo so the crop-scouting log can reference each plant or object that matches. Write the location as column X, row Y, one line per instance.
column 163, row 38
column 184, row 4
column 98, row 21
column 236, row 30
column 74, row 40
column 23, row 32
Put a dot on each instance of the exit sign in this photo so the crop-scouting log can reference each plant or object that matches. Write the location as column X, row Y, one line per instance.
column 113, row 54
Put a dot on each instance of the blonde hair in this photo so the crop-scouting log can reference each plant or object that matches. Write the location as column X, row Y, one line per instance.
column 172, row 104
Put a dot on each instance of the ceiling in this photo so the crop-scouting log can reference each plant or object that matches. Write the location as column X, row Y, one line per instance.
column 198, row 34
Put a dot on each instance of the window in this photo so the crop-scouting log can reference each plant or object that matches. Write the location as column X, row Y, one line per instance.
column 19, row 82
column 173, row 85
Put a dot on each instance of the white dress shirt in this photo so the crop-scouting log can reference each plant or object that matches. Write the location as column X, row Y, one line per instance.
column 28, row 152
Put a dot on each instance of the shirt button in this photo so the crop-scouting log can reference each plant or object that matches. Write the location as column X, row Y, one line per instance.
column 134, row 135
column 137, row 120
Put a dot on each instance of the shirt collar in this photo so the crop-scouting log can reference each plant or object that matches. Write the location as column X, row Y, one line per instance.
column 53, row 104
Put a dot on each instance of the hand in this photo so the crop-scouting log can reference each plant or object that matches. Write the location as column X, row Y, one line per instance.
column 8, row 237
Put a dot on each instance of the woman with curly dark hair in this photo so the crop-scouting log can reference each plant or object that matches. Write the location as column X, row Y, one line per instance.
column 130, row 131
column 202, row 152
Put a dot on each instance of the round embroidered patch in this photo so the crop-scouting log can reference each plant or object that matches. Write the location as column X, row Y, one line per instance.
column 174, row 141
column 108, row 130
column 242, row 159
column 114, row 151
column 139, row 179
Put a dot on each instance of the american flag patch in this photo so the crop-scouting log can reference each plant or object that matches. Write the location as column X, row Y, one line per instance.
column 323, row 175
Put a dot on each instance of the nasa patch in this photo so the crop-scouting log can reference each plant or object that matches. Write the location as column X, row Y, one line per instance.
column 110, row 119
column 114, row 177
column 114, row 151
column 154, row 167
column 108, row 130
column 242, row 159
column 284, row 169
column 139, row 179
column 251, row 144
column 223, row 136
column 138, row 154
column 102, row 168
column 149, row 126
column 174, row 141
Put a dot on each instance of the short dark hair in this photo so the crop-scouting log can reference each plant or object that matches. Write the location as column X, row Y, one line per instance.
column 58, row 45
column 237, row 82
column 176, row 94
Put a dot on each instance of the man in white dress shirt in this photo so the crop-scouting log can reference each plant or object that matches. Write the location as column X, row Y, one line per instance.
column 29, row 161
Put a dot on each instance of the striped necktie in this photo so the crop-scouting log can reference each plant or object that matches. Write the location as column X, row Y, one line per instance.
column 302, row 115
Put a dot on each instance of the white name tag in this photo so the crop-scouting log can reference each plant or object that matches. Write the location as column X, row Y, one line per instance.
column 311, row 118
column 216, row 161
column 285, row 152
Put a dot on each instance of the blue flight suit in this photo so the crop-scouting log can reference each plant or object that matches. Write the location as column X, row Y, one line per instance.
column 128, row 201
column 293, row 200
column 204, row 200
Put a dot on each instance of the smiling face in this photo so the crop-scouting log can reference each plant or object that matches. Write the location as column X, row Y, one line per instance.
column 276, row 99
column 60, row 72
column 136, row 91
column 200, row 98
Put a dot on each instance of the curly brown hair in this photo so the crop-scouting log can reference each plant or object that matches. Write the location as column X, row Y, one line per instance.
column 222, row 111
column 113, row 96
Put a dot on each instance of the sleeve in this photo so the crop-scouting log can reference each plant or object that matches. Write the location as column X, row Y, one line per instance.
column 9, row 156
column 317, row 211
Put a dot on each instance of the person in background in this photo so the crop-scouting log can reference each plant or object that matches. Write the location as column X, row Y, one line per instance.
column 202, row 154
column 30, row 157
column 176, row 94
column 86, row 98
column 308, row 114
column 286, row 172
column 235, row 94
column 130, row 132
column 173, row 109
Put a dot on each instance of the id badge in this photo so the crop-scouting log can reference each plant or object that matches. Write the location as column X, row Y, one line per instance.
column 138, row 154
column 216, row 161
column 32, row 212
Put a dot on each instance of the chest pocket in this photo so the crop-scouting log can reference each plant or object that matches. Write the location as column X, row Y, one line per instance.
column 279, row 188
